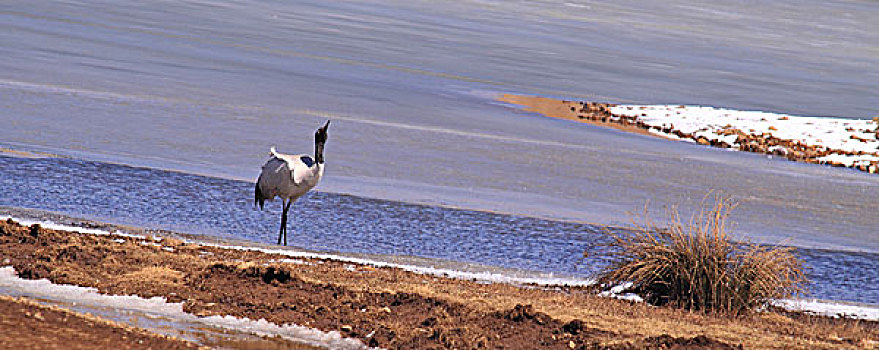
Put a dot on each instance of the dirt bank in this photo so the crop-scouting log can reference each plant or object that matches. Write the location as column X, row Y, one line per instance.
column 392, row 308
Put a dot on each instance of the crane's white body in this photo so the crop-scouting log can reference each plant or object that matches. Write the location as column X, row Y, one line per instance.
column 289, row 176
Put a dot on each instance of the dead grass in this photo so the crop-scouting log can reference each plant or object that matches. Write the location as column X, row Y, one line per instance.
column 153, row 276
column 695, row 265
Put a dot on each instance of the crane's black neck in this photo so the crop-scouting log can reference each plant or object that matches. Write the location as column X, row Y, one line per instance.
column 320, row 138
column 319, row 151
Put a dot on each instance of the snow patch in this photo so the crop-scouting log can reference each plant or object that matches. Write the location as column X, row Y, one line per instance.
column 53, row 226
column 291, row 261
column 548, row 279
column 859, row 138
column 618, row 293
column 830, row 308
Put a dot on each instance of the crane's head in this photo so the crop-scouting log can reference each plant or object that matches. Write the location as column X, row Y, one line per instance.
column 320, row 136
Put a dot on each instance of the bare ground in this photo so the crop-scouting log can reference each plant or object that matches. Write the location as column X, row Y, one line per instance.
column 392, row 308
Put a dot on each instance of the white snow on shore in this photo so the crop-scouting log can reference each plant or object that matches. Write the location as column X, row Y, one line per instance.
column 830, row 308
column 53, row 226
column 545, row 279
column 171, row 313
column 827, row 308
column 619, row 292
column 837, row 135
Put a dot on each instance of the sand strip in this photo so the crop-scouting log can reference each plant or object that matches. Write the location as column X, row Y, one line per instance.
column 837, row 142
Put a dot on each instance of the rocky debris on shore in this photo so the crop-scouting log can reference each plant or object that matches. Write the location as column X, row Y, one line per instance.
column 831, row 141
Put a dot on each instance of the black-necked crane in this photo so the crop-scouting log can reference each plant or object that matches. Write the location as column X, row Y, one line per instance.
column 290, row 176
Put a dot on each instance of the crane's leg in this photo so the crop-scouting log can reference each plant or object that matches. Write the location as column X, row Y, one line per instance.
column 287, row 210
column 283, row 228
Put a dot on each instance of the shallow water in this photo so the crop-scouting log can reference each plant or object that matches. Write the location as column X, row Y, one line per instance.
column 214, row 207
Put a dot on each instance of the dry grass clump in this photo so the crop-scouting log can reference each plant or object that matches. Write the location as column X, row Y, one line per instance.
column 696, row 266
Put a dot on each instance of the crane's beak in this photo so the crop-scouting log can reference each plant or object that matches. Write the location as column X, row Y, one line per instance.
column 321, row 134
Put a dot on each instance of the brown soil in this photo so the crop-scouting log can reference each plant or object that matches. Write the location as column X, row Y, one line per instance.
column 597, row 113
column 28, row 325
column 392, row 308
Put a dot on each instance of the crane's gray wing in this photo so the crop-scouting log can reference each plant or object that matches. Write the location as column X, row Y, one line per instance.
column 276, row 177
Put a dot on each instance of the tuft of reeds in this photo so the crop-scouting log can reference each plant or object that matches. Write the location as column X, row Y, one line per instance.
column 696, row 266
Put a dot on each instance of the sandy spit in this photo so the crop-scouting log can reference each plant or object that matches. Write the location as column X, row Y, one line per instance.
column 835, row 142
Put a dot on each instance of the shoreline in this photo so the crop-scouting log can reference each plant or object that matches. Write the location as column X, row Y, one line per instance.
column 414, row 264
column 390, row 307
column 834, row 142
column 473, row 271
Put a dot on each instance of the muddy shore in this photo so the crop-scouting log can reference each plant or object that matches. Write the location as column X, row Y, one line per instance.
column 392, row 308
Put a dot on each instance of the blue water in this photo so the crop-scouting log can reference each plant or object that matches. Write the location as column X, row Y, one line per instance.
column 322, row 221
